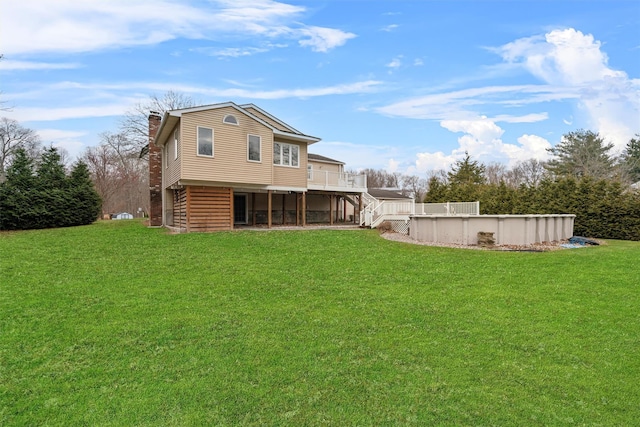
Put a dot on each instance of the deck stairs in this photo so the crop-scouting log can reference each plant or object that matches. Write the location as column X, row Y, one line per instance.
column 375, row 211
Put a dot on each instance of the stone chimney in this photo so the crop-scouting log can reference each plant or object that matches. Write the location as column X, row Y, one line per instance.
column 155, row 172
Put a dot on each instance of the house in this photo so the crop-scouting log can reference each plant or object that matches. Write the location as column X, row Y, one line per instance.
column 389, row 194
column 219, row 166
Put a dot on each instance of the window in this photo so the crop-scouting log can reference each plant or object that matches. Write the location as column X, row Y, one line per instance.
column 286, row 154
column 176, row 139
column 165, row 155
column 205, row 142
column 253, row 148
column 230, row 119
column 310, row 172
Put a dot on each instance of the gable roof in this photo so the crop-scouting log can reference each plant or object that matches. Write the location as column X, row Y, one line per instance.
column 323, row 159
column 171, row 117
column 384, row 193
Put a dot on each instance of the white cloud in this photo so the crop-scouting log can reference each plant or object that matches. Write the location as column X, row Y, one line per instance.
column 482, row 139
column 395, row 62
column 418, row 62
column 392, row 166
column 460, row 104
column 426, row 162
column 71, row 26
column 321, row 39
column 13, row 65
column 572, row 67
column 62, row 113
column 389, row 28
column 231, row 52
column 117, row 98
column 68, row 140
column 573, row 60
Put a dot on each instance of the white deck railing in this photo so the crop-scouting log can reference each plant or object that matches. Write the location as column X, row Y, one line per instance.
column 335, row 181
column 379, row 211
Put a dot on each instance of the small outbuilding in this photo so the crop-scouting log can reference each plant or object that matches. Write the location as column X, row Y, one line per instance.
column 122, row 215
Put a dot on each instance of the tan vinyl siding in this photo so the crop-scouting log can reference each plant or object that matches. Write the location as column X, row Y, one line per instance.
column 209, row 208
column 267, row 119
column 172, row 173
column 328, row 167
column 288, row 176
column 229, row 162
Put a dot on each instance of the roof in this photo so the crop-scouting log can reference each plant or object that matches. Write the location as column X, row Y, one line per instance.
column 171, row 117
column 323, row 159
column 384, row 193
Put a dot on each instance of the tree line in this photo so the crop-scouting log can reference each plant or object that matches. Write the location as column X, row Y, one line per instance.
column 43, row 195
column 582, row 178
column 581, row 165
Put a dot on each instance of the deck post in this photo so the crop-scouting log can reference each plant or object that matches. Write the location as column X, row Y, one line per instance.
column 298, row 198
column 232, row 210
column 304, row 208
column 253, row 208
column 331, row 209
column 269, row 202
column 284, row 211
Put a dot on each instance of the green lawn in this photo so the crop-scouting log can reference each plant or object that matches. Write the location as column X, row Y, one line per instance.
column 117, row 324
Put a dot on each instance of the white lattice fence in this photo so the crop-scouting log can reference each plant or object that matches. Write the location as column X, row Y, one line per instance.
column 401, row 227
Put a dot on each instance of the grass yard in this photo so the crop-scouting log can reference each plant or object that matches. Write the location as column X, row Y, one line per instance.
column 115, row 324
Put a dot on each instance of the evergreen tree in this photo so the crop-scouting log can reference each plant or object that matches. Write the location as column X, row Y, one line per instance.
column 437, row 191
column 631, row 159
column 51, row 190
column 581, row 153
column 45, row 197
column 465, row 180
column 466, row 171
column 86, row 203
column 17, row 207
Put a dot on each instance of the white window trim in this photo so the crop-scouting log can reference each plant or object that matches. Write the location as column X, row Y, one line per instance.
column 259, row 148
column 282, row 144
column 309, row 172
column 224, row 120
column 198, row 142
column 176, row 138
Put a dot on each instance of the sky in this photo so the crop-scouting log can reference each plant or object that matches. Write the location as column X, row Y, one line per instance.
column 405, row 86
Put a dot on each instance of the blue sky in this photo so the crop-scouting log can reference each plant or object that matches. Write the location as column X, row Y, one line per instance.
column 407, row 86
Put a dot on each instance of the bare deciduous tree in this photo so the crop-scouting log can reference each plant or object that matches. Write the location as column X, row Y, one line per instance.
column 118, row 173
column 14, row 136
column 415, row 187
column 494, row 173
column 135, row 124
column 529, row 172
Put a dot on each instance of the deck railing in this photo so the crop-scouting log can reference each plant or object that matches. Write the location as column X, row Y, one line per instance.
column 377, row 212
column 325, row 180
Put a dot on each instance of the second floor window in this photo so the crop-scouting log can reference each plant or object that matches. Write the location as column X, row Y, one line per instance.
column 205, row 142
column 176, row 142
column 229, row 119
column 253, row 148
column 286, row 154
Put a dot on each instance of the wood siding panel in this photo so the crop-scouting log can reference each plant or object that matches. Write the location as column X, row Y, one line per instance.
column 229, row 162
column 209, row 209
column 180, row 208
